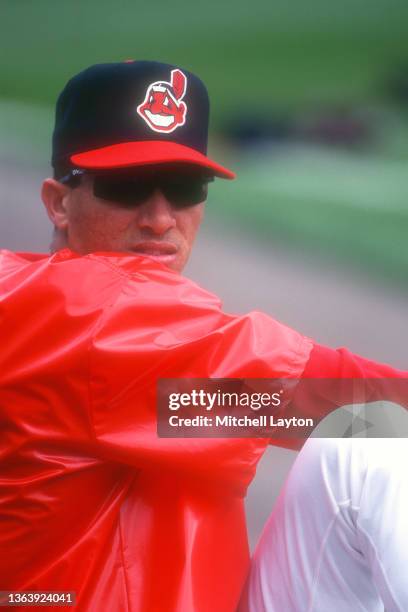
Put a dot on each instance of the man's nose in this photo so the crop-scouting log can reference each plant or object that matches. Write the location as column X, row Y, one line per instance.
column 156, row 214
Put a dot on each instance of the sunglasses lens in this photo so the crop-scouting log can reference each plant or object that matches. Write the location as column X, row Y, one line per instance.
column 185, row 191
column 181, row 190
column 124, row 191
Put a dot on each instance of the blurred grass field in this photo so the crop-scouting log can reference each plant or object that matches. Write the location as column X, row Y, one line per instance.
column 341, row 207
column 257, row 58
column 265, row 54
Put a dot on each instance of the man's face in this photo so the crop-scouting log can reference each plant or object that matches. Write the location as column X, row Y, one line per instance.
column 155, row 227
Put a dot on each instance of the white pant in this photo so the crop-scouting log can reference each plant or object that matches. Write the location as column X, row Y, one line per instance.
column 337, row 539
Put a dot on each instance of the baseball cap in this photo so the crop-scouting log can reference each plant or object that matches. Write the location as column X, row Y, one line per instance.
column 133, row 113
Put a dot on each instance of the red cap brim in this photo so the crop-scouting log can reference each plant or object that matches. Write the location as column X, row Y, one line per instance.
column 128, row 154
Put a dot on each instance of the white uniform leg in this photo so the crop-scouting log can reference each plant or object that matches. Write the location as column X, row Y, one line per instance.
column 337, row 539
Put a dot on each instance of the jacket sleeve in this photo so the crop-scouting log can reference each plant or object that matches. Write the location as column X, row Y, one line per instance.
column 158, row 331
column 377, row 382
column 325, row 362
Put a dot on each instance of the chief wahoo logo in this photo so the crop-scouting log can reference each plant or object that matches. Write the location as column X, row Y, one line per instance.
column 162, row 108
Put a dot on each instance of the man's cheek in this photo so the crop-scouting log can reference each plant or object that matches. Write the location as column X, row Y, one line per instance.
column 118, row 232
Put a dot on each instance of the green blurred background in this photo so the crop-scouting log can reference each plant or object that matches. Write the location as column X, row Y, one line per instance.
column 309, row 105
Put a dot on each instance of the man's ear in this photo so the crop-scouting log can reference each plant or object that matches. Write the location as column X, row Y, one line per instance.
column 53, row 196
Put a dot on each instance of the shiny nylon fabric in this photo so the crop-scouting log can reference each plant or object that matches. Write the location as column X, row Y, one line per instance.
column 91, row 500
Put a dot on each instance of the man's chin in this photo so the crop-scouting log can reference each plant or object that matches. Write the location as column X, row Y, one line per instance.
column 172, row 261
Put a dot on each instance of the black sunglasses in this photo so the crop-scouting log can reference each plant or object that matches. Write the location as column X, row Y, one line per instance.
column 182, row 188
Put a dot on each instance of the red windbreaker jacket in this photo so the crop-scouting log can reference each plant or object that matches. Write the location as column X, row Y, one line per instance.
column 91, row 500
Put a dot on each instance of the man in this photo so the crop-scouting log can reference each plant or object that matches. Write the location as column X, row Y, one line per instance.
column 92, row 501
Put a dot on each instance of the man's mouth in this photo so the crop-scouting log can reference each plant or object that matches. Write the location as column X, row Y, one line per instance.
column 161, row 251
column 160, row 120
